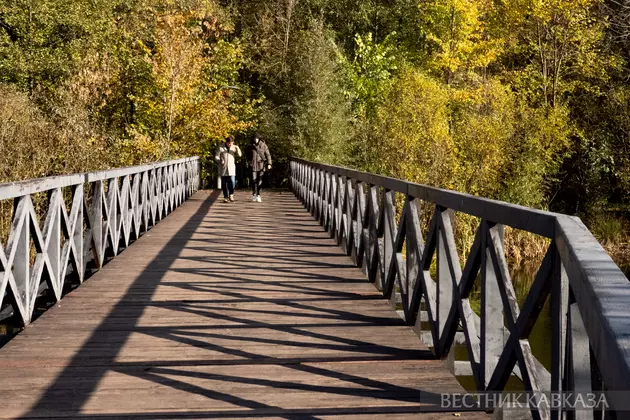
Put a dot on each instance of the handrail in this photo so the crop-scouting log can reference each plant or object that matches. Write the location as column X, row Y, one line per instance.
column 589, row 294
column 118, row 206
column 536, row 221
column 37, row 185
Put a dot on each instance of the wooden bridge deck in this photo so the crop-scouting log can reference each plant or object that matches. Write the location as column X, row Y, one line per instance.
column 224, row 310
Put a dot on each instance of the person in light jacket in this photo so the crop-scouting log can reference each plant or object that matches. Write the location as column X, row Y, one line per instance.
column 225, row 156
column 259, row 160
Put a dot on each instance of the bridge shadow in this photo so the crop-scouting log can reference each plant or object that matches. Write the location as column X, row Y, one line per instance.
column 253, row 319
column 147, row 281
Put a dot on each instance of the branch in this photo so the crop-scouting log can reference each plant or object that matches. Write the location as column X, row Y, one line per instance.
column 225, row 88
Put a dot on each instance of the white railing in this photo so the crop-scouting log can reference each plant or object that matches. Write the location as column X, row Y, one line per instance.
column 88, row 218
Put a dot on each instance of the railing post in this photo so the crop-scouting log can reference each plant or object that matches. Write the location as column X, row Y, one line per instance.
column 321, row 192
column 389, row 231
column 52, row 227
column 361, row 234
column 19, row 247
column 350, row 215
column 339, row 209
column 491, row 309
column 311, row 180
column 448, row 276
column 559, row 317
column 76, row 240
column 374, row 236
column 330, row 209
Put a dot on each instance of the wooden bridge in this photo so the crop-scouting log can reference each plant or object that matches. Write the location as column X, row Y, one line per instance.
column 247, row 310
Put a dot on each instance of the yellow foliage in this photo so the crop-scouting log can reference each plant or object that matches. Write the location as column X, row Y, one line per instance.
column 457, row 30
column 479, row 138
column 139, row 148
column 482, row 125
column 190, row 103
column 564, row 42
column 416, row 143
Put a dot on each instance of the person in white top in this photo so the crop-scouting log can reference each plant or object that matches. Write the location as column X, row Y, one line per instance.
column 225, row 156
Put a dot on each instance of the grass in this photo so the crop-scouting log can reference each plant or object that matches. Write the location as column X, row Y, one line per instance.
column 612, row 232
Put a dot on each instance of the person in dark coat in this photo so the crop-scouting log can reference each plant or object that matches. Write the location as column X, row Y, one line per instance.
column 259, row 160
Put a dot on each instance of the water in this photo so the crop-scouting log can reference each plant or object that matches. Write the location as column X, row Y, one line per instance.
column 539, row 339
column 7, row 332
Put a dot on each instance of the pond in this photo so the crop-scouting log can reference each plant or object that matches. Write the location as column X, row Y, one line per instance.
column 539, row 339
column 7, row 332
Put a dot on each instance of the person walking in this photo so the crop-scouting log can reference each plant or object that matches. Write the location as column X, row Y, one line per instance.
column 259, row 160
column 225, row 156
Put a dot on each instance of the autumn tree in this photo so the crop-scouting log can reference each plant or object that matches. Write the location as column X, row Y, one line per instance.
column 456, row 35
column 558, row 46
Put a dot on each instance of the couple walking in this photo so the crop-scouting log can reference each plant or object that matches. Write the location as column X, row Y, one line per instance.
column 258, row 160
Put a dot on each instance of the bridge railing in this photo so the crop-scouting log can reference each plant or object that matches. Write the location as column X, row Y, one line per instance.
column 87, row 218
column 589, row 295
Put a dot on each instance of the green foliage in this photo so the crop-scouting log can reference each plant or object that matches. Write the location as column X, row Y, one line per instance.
column 44, row 41
column 540, row 144
column 369, row 74
column 606, row 228
column 559, row 47
column 524, row 100
column 146, row 80
column 415, row 142
column 186, row 97
column 322, row 128
column 34, row 145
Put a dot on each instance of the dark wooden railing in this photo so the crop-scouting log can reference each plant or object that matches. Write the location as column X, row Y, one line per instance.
column 88, row 218
column 590, row 296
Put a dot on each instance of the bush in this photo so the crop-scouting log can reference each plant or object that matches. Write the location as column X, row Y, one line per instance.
column 476, row 137
column 321, row 118
column 413, row 140
column 606, row 228
column 33, row 145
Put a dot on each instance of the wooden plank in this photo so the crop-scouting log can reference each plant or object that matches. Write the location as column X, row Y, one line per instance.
column 225, row 310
